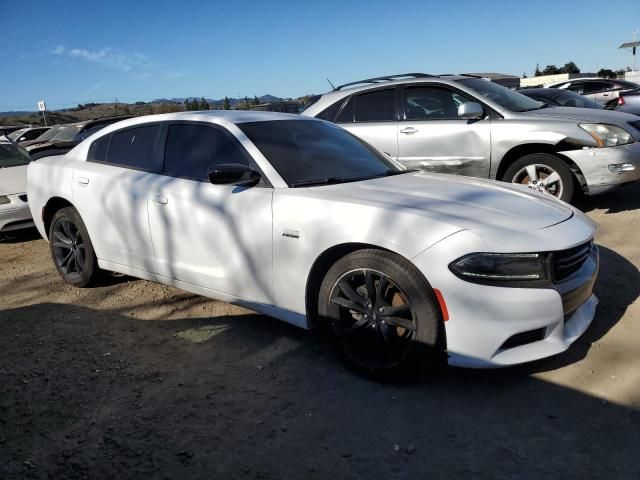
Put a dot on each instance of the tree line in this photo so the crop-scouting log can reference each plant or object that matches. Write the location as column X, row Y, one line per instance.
column 571, row 67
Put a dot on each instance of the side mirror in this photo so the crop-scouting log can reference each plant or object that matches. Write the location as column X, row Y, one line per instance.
column 470, row 111
column 233, row 174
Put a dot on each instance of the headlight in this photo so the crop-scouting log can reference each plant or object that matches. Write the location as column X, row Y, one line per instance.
column 4, row 200
column 607, row 135
column 497, row 268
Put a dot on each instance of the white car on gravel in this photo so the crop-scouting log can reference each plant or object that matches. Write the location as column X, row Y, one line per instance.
column 14, row 209
column 298, row 219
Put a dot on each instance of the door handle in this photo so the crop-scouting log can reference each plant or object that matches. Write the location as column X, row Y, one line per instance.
column 408, row 131
column 83, row 181
column 160, row 199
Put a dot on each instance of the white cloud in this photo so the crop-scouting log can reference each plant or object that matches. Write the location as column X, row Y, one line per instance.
column 106, row 57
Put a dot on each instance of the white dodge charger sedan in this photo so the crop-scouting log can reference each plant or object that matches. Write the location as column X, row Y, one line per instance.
column 296, row 218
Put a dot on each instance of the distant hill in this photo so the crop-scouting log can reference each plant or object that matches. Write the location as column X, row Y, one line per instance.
column 91, row 111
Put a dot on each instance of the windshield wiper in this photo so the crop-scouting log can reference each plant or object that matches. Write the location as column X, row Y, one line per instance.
column 324, row 181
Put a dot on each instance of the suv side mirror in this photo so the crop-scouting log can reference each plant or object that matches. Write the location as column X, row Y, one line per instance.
column 470, row 111
column 233, row 174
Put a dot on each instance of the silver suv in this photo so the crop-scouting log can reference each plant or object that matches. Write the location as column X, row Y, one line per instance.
column 469, row 126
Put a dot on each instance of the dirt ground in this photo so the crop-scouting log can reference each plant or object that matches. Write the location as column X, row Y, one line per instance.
column 138, row 380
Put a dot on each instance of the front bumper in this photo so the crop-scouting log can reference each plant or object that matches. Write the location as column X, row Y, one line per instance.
column 492, row 327
column 607, row 168
column 15, row 214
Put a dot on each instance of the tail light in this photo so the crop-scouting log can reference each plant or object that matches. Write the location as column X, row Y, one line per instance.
column 620, row 100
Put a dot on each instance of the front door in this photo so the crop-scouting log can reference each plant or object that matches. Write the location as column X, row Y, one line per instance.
column 214, row 236
column 432, row 137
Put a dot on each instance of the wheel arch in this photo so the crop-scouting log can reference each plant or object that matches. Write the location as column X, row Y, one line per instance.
column 53, row 205
column 553, row 149
column 330, row 256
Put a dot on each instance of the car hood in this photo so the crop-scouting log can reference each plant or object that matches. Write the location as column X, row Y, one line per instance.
column 466, row 202
column 13, row 180
column 592, row 115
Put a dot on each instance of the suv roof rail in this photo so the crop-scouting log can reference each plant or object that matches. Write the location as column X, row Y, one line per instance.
column 387, row 78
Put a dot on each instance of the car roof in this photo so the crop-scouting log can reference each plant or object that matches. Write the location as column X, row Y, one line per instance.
column 214, row 116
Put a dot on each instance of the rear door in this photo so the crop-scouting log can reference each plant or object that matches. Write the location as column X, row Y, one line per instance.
column 373, row 117
column 110, row 191
column 432, row 137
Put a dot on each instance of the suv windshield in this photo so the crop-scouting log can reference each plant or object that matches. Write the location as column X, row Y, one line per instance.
column 514, row 101
column 307, row 153
column 12, row 155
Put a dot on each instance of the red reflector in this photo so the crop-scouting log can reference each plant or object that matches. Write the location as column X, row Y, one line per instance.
column 443, row 306
column 620, row 100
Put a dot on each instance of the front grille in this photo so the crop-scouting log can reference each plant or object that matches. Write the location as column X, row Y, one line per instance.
column 636, row 124
column 567, row 262
column 524, row 338
column 23, row 197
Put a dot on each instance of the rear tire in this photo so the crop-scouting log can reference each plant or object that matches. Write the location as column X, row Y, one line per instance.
column 71, row 249
column 536, row 169
column 382, row 315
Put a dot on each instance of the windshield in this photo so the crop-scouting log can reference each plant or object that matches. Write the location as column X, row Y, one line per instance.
column 67, row 134
column 17, row 133
column 12, row 155
column 307, row 152
column 567, row 98
column 514, row 101
column 49, row 134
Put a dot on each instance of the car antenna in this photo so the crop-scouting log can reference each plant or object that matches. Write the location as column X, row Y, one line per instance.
column 332, row 85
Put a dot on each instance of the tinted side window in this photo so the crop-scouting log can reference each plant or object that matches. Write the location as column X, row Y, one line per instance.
column 346, row 114
column 134, row 148
column 98, row 149
column 329, row 113
column 192, row 149
column 588, row 87
column 377, row 106
column 432, row 103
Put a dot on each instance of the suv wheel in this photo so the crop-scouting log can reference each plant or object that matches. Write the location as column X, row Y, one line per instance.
column 543, row 172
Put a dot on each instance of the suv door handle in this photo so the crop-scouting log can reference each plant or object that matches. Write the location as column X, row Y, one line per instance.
column 408, row 131
column 160, row 199
column 83, row 181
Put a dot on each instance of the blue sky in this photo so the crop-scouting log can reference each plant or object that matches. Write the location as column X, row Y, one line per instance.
column 75, row 52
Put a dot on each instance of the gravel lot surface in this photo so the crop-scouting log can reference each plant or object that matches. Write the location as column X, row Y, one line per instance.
column 139, row 380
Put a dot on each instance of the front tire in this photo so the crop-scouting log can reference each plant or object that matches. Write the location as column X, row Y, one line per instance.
column 71, row 249
column 382, row 315
column 545, row 173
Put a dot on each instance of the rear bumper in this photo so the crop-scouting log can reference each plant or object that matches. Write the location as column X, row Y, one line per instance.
column 607, row 168
column 15, row 214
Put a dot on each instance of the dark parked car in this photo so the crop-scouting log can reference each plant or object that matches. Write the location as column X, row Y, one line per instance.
column 605, row 91
column 7, row 129
column 70, row 136
column 629, row 102
column 558, row 97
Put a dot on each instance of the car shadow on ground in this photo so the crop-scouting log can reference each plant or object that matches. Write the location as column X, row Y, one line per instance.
column 20, row 236
column 96, row 394
column 624, row 198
